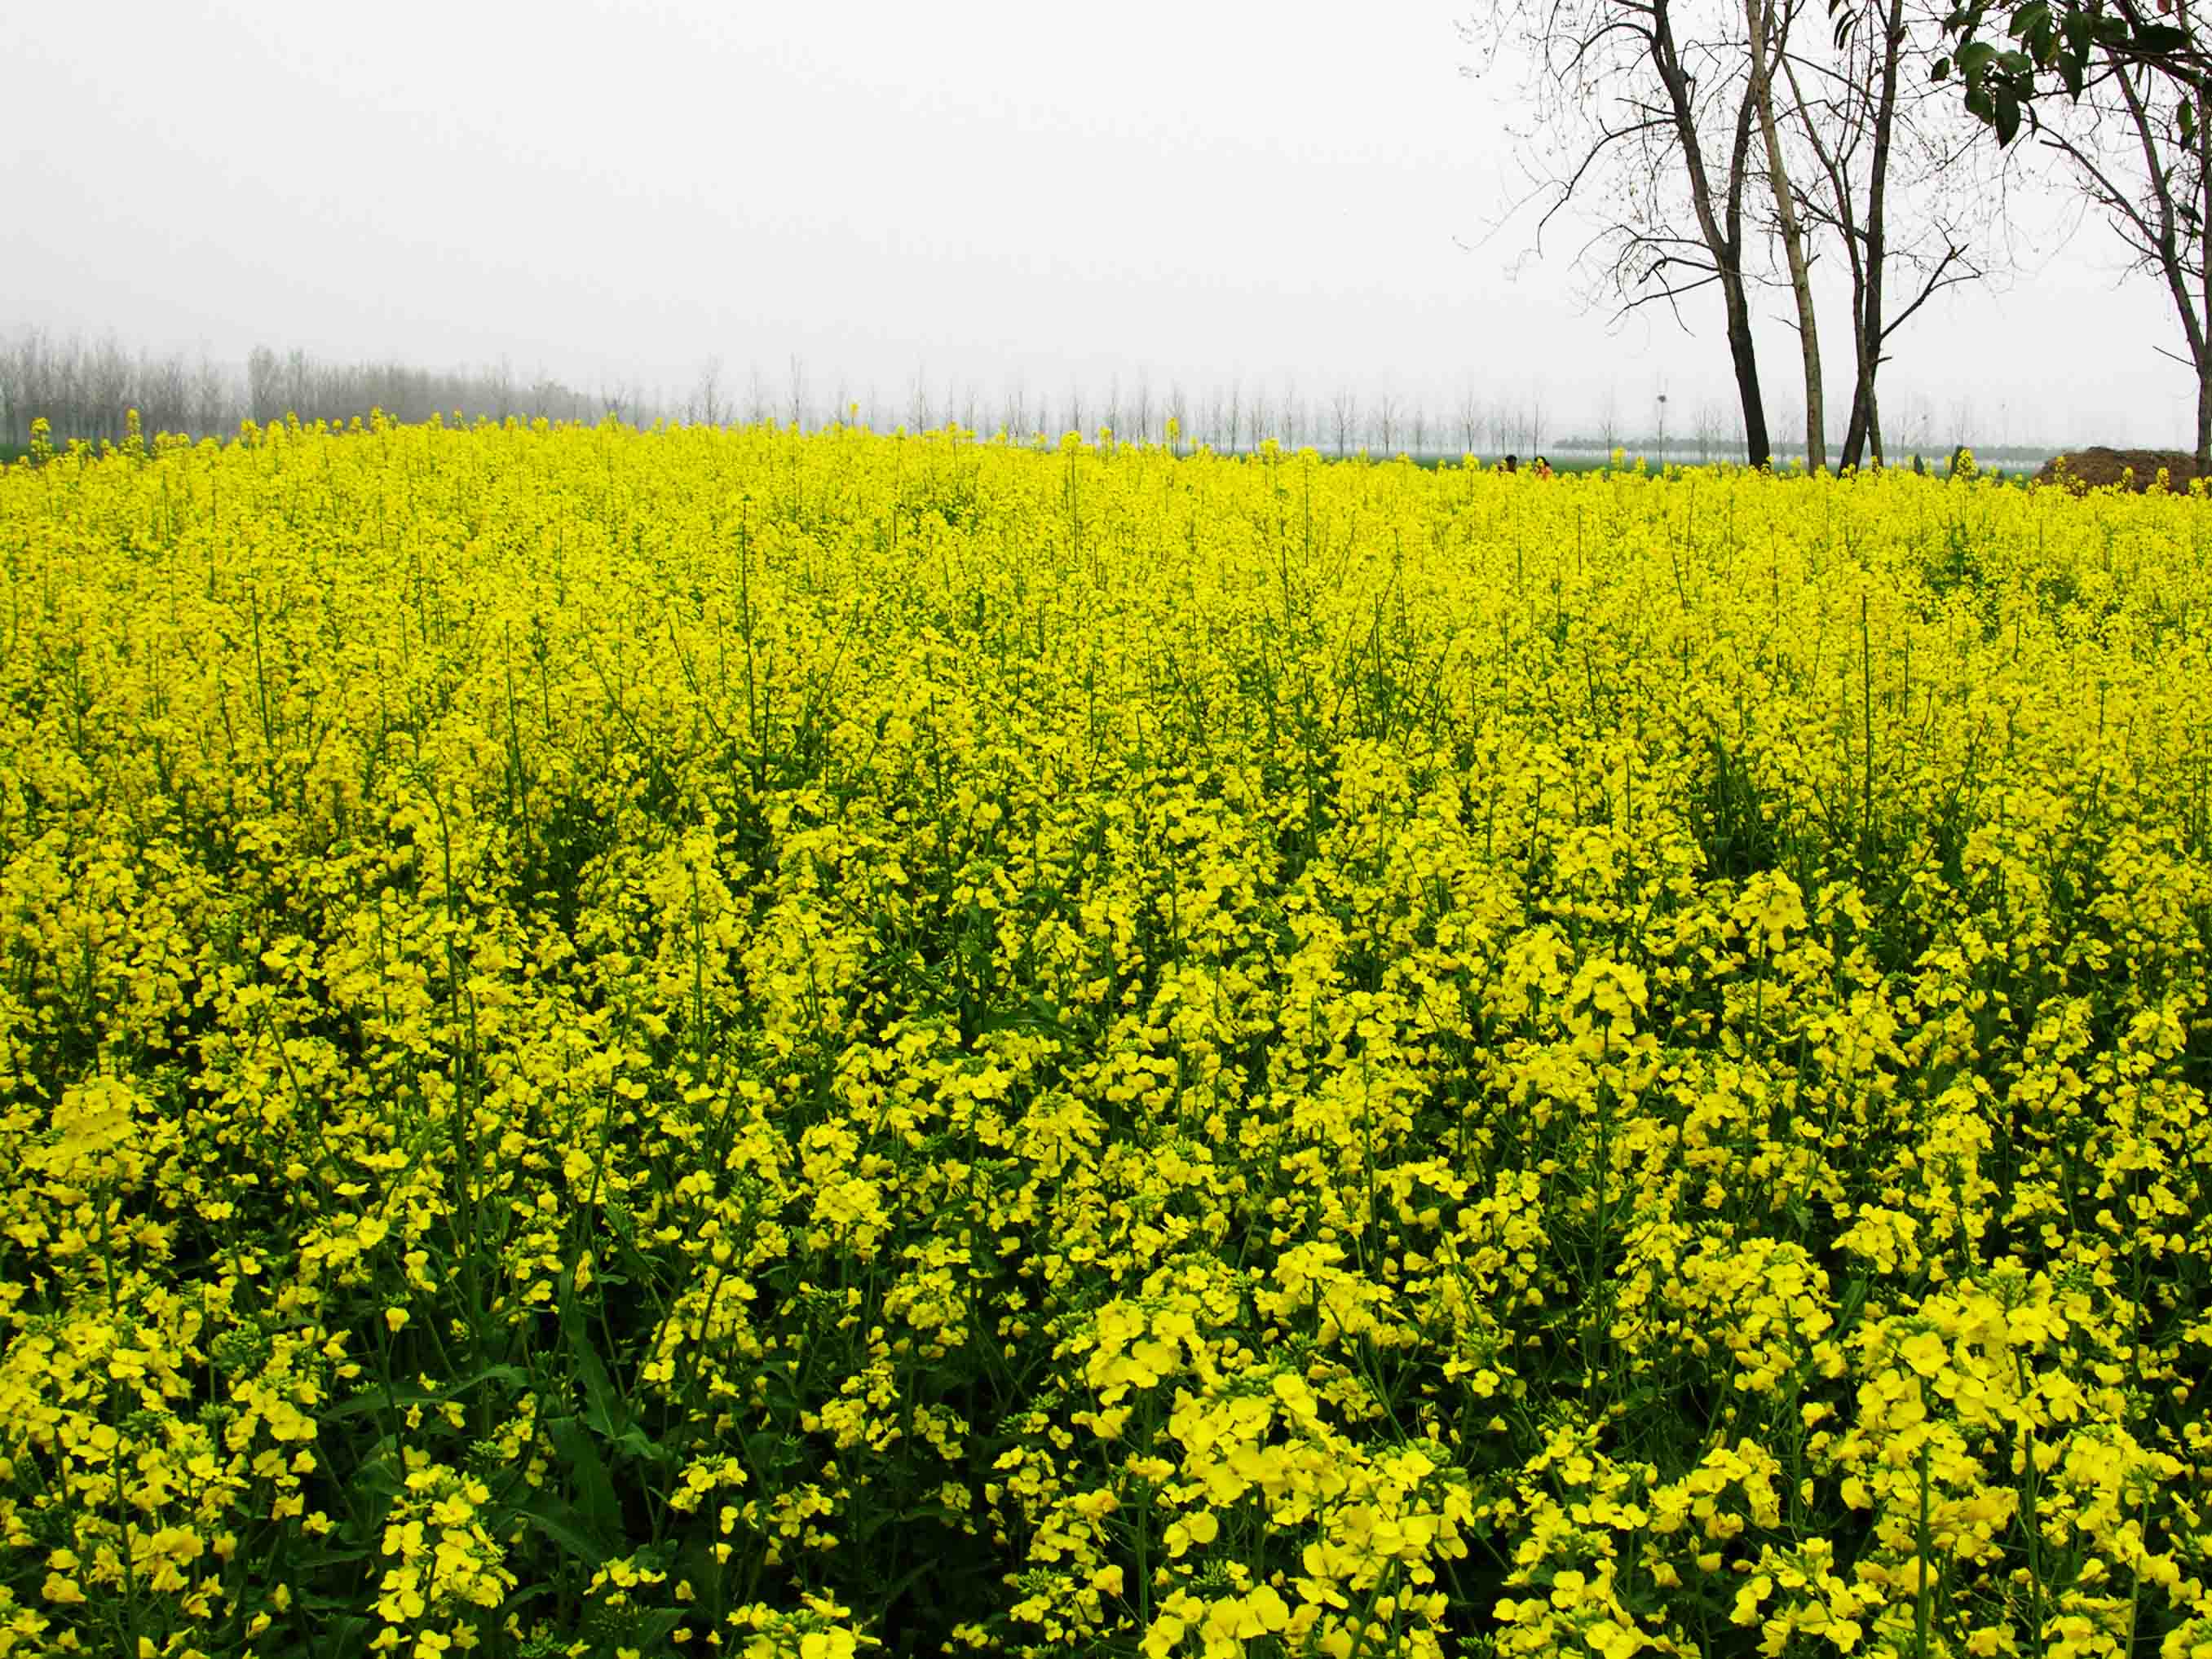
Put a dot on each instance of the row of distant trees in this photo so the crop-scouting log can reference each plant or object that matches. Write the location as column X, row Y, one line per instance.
column 87, row 389
column 1237, row 414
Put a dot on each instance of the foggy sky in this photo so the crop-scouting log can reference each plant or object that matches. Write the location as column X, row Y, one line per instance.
column 987, row 193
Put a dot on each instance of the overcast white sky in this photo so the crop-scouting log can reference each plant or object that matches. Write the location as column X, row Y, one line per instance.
column 610, row 192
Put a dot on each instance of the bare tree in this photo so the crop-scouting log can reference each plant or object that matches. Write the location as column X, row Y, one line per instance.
column 1473, row 421
column 16, row 407
column 164, row 394
column 1767, row 30
column 1788, row 412
column 1872, row 130
column 502, row 387
column 215, row 400
column 1917, row 421
column 264, row 391
column 706, row 405
column 297, row 377
column 1343, row 412
column 1644, row 116
column 1709, row 425
column 25, row 386
column 2141, row 151
column 15, row 413
column 1962, row 421
column 1532, row 423
column 106, row 386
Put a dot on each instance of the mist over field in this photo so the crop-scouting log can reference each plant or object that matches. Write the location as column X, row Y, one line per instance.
column 611, row 198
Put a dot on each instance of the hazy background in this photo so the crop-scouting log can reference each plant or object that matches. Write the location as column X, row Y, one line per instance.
column 983, row 194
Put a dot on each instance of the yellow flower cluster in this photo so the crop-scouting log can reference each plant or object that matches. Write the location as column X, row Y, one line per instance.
column 703, row 1043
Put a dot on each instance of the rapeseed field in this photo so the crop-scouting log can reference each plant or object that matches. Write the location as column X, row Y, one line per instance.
column 701, row 1041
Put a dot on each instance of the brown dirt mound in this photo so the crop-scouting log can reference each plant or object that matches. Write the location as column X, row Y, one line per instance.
column 2087, row 469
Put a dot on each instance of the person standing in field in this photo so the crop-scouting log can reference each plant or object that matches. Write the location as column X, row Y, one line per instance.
column 1512, row 464
column 1543, row 467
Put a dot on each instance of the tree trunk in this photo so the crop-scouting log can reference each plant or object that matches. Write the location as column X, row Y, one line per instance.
column 1877, row 225
column 2204, row 415
column 1758, row 448
column 1722, row 234
column 2163, row 236
column 1856, row 428
column 2201, row 336
column 1759, row 15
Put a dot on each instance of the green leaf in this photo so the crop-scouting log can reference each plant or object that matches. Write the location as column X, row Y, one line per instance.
column 560, row 1523
column 345, row 1632
column 373, row 1399
column 346, row 1635
column 604, row 1408
column 635, row 1441
column 315, row 1561
column 652, row 1628
column 602, row 1507
column 1966, row 18
column 2031, row 19
column 2007, row 118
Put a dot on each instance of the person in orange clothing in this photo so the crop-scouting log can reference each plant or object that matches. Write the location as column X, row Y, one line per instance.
column 1543, row 467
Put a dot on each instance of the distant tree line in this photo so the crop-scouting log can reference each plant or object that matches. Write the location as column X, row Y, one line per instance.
column 87, row 389
column 1235, row 416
